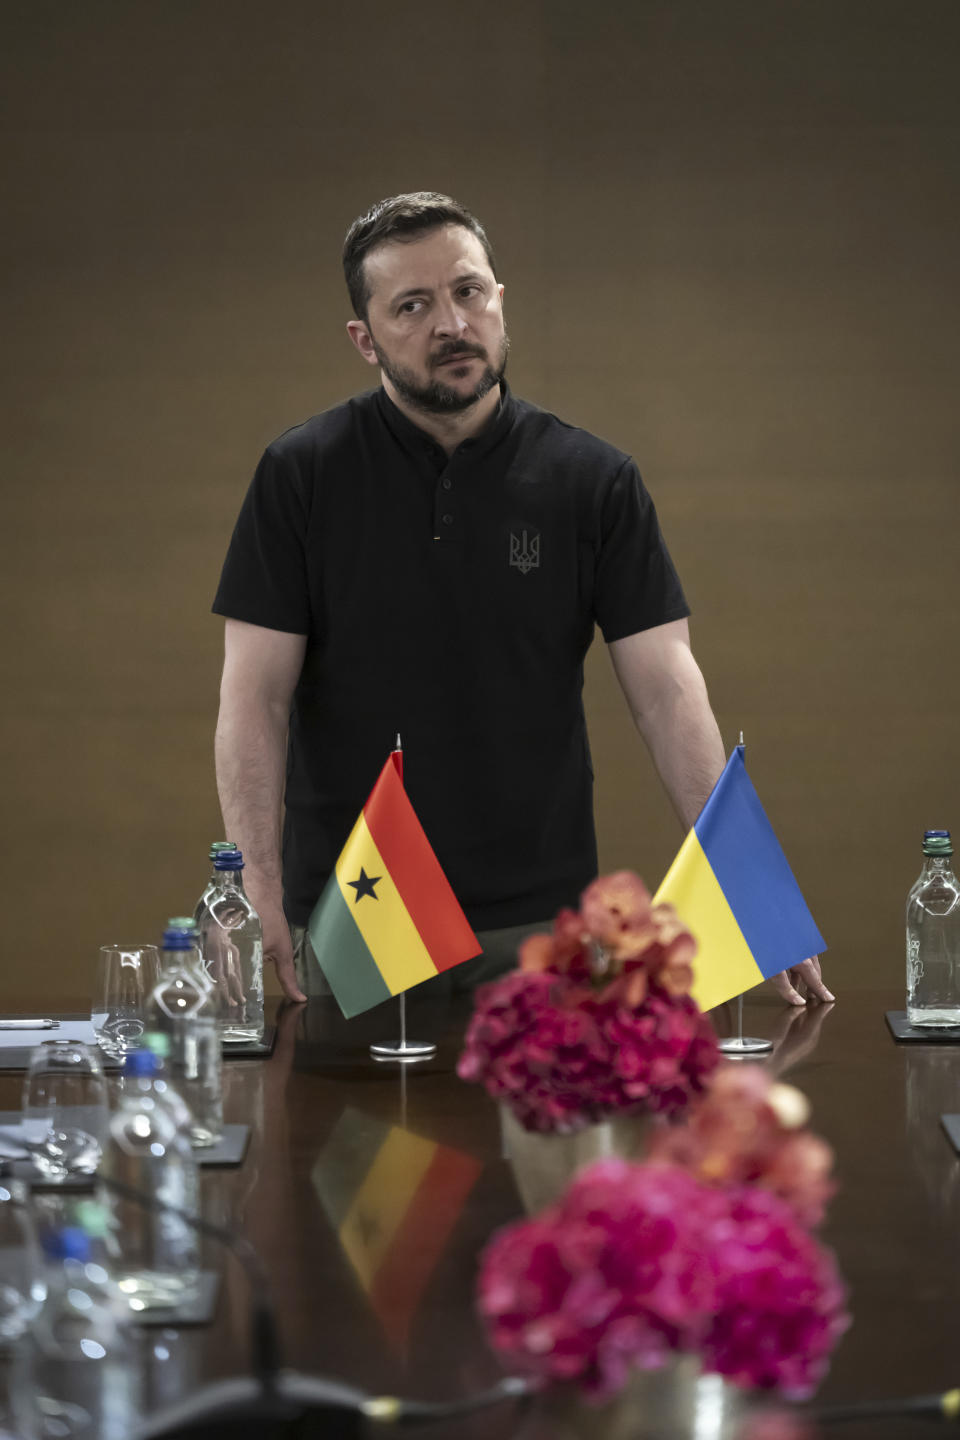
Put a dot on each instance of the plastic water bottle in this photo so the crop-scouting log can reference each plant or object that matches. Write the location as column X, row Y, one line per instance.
column 933, row 937
column 182, row 989
column 77, row 1371
column 170, row 1090
column 182, row 1010
column 157, row 1252
column 193, row 958
column 231, row 941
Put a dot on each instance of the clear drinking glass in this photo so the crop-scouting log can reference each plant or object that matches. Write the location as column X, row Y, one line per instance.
column 22, row 1279
column 65, row 1116
column 126, row 974
column 21, row 1275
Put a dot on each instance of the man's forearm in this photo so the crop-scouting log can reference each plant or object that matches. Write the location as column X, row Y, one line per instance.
column 684, row 741
column 683, row 737
column 668, row 700
column 251, row 743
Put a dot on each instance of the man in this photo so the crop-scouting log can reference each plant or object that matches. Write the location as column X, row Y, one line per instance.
column 430, row 559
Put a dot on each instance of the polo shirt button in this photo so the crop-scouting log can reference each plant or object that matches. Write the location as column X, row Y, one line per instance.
column 448, row 519
column 447, row 484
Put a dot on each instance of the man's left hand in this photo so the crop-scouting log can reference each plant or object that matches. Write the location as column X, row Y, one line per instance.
column 808, row 975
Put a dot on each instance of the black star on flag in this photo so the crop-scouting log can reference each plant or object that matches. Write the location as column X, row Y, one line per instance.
column 364, row 886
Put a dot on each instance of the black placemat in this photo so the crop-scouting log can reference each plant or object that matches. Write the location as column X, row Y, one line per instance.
column 17, row 1057
column 903, row 1031
column 230, row 1149
column 951, row 1126
column 24, row 1170
column 251, row 1051
column 197, row 1311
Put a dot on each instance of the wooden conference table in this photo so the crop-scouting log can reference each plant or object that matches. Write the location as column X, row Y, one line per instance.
column 369, row 1191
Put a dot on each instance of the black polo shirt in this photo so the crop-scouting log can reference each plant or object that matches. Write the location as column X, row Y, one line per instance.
column 452, row 600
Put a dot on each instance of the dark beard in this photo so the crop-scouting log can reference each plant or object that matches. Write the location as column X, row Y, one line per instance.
column 438, row 398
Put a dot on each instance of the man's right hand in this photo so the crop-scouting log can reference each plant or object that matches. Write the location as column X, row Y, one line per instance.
column 807, row 974
column 278, row 951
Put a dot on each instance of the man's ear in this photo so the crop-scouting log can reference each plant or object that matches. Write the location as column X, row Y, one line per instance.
column 363, row 340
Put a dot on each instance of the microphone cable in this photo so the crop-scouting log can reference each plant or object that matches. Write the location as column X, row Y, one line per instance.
column 945, row 1406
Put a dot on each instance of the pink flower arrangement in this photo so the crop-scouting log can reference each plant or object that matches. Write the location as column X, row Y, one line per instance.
column 781, row 1299
column 598, row 1018
column 637, row 1263
column 748, row 1130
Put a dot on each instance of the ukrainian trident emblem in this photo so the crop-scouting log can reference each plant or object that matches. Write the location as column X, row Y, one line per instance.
column 524, row 552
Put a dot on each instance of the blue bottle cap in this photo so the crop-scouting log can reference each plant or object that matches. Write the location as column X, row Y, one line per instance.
column 178, row 939
column 70, row 1243
column 229, row 860
column 928, row 834
column 140, row 1063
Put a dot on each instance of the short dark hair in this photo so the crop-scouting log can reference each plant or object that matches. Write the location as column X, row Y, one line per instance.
column 403, row 218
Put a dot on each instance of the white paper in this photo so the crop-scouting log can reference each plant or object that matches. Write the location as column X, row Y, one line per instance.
column 68, row 1030
column 9, row 1149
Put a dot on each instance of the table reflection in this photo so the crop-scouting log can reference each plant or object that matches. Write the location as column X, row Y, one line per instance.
column 796, row 1034
column 932, row 1085
column 260, row 1196
column 393, row 1198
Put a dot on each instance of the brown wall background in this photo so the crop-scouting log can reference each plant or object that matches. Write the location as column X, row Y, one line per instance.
column 729, row 236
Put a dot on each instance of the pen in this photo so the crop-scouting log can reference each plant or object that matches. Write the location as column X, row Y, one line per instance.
column 25, row 1023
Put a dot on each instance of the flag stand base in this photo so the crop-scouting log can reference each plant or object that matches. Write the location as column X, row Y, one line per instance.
column 744, row 1045
column 404, row 1050
column 739, row 1045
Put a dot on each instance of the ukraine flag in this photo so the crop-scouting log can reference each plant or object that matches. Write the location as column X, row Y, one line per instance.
column 387, row 918
column 732, row 887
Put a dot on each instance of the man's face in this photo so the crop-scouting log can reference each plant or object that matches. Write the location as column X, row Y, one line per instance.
column 434, row 320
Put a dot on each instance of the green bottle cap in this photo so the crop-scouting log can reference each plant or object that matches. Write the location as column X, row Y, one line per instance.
column 221, row 845
column 157, row 1043
column 94, row 1218
column 937, row 842
column 181, row 922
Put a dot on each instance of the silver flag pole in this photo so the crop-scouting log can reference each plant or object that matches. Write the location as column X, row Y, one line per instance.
column 739, row 1046
column 403, row 1050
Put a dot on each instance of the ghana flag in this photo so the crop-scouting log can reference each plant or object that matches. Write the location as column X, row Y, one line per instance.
column 732, row 887
column 393, row 1198
column 387, row 918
